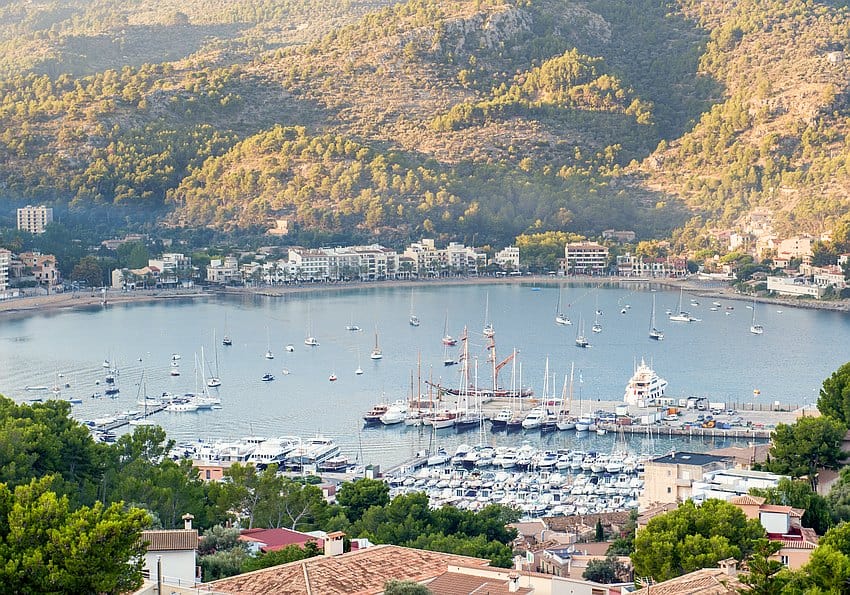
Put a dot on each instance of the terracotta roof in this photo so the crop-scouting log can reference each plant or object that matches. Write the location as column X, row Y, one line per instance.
column 708, row 581
column 454, row 583
column 356, row 573
column 747, row 500
column 177, row 539
column 775, row 508
column 277, row 539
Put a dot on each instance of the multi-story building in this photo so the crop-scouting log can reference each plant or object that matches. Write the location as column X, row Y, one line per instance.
column 585, row 258
column 463, row 259
column 42, row 267
column 34, row 219
column 794, row 286
column 425, row 257
column 796, row 247
column 508, row 258
column 671, row 478
column 173, row 269
column 633, row 265
column 224, row 271
column 369, row 263
column 5, row 261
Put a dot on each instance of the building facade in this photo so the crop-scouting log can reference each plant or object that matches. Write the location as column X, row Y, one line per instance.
column 671, row 478
column 508, row 258
column 585, row 258
column 796, row 286
column 224, row 271
column 34, row 219
column 5, row 261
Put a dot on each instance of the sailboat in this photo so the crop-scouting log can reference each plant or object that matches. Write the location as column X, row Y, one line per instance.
column 681, row 315
column 310, row 340
column 351, row 326
column 359, row 370
column 597, row 326
column 560, row 318
column 565, row 420
column 214, row 380
column 447, row 338
column 448, row 360
column 654, row 333
column 376, row 352
column 413, row 319
column 226, row 340
column 581, row 339
column 755, row 329
column 489, row 331
column 269, row 354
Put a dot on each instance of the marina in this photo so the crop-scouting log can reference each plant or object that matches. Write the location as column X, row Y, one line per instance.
column 696, row 359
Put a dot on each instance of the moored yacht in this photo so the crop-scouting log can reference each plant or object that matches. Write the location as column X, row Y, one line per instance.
column 644, row 387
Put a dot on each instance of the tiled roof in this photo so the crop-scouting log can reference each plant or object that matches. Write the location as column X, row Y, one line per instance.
column 775, row 508
column 177, row 539
column 276, row 539
column 708, row 581
column 747, row 500
column 356, row 573
column 454, row 583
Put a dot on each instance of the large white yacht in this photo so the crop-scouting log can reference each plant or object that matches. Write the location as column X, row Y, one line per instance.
column 644, row 387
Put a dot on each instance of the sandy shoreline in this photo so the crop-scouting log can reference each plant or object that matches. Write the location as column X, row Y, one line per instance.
column 59, row 301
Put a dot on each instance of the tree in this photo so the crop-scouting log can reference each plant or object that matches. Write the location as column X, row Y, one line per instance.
column 692, row 537
column 799, row 494
column 395, row 587
column 358, row 496
column 801, row 448
column 600, row 531
column 47, row 547
column 828, row 568
column 839, row 496
column 834, row 398
column 88, row 270
column 610, row 570
column 624, row 545
column 765, row 576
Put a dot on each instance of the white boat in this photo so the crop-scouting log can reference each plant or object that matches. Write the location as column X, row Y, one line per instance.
column 395, row 414
column 226, row 340
column 413, row 319
column 645, row 387
column 534, row 418
column 584, row 424
column 290, row 348
column 681, row 315
column 376, row 352
column 214, row 380
column 448, row 340
column 351, row 326
column 310, row 340
column 560, row 318
column 488, row 330
column 269, row 354
column 359, row 370
column 581, row 339
column 441, row 457
column 654, row 333
column 312, row 452
column 755, row 328
column 332, row 377
column 273, row 451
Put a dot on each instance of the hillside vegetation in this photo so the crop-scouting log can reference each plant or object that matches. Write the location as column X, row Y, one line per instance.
column 443, row 118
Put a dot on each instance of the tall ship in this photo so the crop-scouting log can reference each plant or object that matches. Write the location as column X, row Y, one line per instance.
column 644, row 387
column 479, row 392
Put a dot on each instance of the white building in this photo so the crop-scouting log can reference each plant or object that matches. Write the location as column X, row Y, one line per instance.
column 508, row 258
column 463, row 259
column 371, row 263
column 795, row 247
column 174, row 552
column 426, row 258
column 797, row 286
column 725, row 484
column 224, row 271
column 585, row 258
column 174, row 269
column 5, row 261
column 34, row 219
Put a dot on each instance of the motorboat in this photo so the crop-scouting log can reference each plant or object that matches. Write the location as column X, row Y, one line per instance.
column 501, row 418
column 290, row 348
column 395, row 413
column 267, row 377
column 373, row 416
column 312, row 452
column 644, row 387
column 534, row 419
column 332, row 377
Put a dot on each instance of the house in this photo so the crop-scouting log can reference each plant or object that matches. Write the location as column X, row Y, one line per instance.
column 782, row 524
column 34, row 219
column 270, row 540
column 172, row 551
column 707, row 581
column 670, row 478
column 363, row 572
column 796, row 286
column 726, row 484
column 5, row 261
column 508, row 257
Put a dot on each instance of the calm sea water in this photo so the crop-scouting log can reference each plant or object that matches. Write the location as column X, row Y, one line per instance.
column 717, row 357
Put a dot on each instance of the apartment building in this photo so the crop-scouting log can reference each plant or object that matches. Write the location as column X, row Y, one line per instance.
column 585, row 258
column 671, row 478
column 508, row 258
column 5, row 261
column 34, row 219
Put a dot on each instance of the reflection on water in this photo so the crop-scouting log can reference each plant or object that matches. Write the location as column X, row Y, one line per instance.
column 717, row 357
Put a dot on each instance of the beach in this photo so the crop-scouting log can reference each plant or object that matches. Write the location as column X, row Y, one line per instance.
column 87, row 299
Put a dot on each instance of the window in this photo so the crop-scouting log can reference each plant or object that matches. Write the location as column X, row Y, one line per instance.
column 669, row 489
column 784, row 560
column 208, row 473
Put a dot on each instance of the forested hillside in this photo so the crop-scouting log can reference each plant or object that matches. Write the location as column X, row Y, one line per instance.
column 444, row 118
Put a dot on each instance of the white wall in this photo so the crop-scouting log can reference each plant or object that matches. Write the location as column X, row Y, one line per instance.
column 178, row 567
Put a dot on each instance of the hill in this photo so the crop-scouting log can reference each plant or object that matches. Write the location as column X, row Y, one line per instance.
column 455, row 118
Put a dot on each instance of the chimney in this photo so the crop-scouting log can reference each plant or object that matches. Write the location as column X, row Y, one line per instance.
column 334, row 543
column 513, row 582
column 730, row 566
column 187, row 521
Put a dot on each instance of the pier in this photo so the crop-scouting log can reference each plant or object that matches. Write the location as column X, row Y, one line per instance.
column 124, row 420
